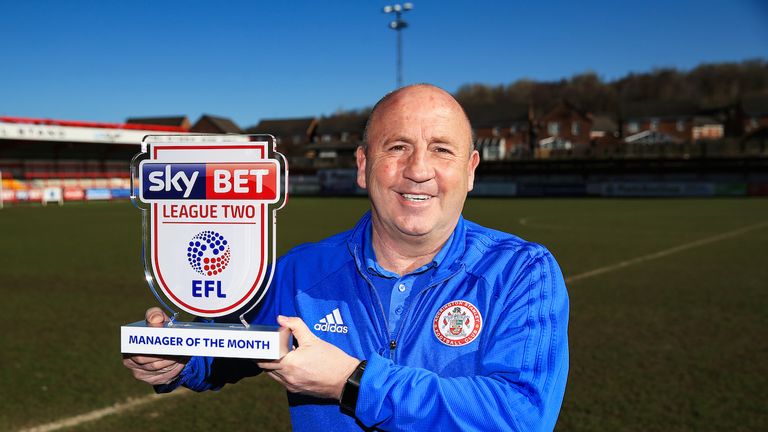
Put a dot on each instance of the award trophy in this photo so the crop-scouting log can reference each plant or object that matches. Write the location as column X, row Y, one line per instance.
column 209, row 205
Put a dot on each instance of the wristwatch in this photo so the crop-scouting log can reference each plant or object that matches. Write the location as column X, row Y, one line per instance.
column 349, row 393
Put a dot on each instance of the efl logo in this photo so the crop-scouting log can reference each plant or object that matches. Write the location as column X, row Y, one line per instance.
column 209, row 181
column 208, row 253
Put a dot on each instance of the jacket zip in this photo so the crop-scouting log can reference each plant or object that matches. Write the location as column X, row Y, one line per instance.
column 418, row 296
column 391, row 342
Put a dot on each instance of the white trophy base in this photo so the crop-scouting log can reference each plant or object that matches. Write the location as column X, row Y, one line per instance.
column 205, row 339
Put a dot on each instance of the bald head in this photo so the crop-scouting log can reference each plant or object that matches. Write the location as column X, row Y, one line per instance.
column 416, row 94
column 418, row 167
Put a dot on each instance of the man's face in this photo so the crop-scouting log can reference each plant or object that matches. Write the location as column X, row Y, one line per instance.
column 418, row 166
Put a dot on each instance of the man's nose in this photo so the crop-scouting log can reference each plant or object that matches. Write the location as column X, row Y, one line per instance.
column 418, row 168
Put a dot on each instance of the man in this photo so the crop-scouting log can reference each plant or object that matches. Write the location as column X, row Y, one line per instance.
column 416, row 319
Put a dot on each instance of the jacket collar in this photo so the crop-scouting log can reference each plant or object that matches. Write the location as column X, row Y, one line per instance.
column 446, row 265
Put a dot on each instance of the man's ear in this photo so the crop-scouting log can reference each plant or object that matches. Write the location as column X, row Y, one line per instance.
column 360, row 156
column 474, row 161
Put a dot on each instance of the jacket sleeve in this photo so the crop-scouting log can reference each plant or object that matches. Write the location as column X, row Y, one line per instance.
column 213, row 373
column 521, row 376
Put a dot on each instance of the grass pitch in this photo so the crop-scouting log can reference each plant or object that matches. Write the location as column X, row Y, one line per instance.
column 673, row 343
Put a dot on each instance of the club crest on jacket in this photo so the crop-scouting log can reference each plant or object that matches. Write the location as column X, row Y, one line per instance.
column 457, row 323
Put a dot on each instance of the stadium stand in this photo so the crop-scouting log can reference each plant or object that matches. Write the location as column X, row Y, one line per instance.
column 84, row 160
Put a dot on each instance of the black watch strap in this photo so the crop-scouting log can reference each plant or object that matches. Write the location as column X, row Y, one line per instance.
column 351, row 389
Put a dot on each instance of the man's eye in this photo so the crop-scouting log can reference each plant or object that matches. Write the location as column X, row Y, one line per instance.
column 443, row 150
column 397, row 148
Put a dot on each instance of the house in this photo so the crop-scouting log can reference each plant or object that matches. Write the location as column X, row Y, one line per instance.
column 181, row 122
column 603, row 125
column 336, row 138
column 344, row 127
column 604, row 137
column 754, row 111
column 213, row 124
column 682, row 121
column 707, row 128
column 680, row 127
column 563, row 127
column 503, row 132
column 292, row 136
column 652, row 137
column 332, row 154
column 677, row 126
column 755, row 142
column 288, row 132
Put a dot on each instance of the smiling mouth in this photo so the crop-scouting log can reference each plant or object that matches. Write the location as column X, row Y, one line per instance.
column 414, row 197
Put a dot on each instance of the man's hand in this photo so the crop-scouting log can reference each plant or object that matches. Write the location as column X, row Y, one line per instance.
column 151, row 369
column 316, row 367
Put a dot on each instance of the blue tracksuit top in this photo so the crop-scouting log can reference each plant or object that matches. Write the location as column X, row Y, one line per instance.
column 482, row 345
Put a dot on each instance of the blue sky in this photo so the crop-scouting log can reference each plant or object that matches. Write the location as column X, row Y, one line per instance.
column 249, row 60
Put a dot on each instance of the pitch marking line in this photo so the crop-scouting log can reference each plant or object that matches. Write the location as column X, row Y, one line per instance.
column 133, row 403
column 665, row 252
column 97, row 414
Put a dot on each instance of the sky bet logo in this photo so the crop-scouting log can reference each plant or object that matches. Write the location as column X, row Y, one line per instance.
column 209, row 181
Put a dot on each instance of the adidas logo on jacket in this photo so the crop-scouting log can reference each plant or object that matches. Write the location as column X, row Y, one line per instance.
column 332, row 323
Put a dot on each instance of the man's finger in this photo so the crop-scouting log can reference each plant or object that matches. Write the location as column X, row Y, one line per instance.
column 281, row 379
column 270, row 365
column 300, row 331
column 155, row 317
column 277, row 377
column 141, row 359
column 155, row 378
column 152, row 366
